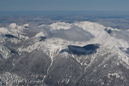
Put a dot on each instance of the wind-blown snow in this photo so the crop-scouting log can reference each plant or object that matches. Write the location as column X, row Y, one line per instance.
column 58, row 26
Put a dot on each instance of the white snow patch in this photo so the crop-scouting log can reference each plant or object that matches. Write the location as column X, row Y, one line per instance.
column 4, row 52
column 39, row 34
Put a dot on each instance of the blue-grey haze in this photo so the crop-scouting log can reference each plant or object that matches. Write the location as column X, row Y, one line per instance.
column 54, row 5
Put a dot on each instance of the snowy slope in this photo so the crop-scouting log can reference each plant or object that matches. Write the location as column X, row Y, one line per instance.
column 14, row 30
column 53, row 46
column 11, row 30
column 111, row 52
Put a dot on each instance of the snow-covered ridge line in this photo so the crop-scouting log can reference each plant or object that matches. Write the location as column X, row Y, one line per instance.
column 15, row 30
column 52, row 46
column 96, row 29
column 12, row 33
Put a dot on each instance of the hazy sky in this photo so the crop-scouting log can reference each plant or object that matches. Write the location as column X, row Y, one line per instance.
column 74, row 5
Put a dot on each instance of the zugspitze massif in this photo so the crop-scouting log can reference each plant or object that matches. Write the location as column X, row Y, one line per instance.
column 80, row 53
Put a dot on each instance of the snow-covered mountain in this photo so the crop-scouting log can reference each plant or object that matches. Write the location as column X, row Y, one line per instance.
column 64, row 54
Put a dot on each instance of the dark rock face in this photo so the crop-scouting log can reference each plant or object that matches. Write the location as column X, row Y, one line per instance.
column 85, row 50
column 26, row 27
column 109, row 31
column 1, row 56
column 10, row 36
column 91, row 46
column 127, row 51
column 42, row 38
column 13, row 51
